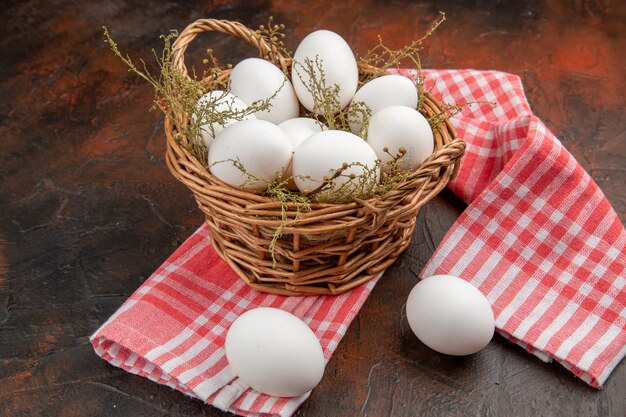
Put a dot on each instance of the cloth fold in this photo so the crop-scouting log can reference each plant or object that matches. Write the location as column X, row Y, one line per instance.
column 173, row 328
column 538, row 238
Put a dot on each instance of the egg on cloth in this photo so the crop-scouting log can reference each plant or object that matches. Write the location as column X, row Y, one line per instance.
column 215, row 102
column 255, row 79
column 336, row 61
column 450, row 315
column 324, row 153
column 397, row 127
column 250, row 154
column 381, row 92
column 274, row 352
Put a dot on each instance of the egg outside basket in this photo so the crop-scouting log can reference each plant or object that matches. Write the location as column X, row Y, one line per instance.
column 327, row 249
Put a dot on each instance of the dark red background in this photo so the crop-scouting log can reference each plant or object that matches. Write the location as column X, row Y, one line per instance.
column 88, row 209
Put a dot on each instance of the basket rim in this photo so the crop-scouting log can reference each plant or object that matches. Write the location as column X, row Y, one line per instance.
column 455, row 143
column 358, row 239
column 270, row 53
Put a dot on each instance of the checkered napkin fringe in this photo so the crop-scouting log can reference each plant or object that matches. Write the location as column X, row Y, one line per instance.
column 172, row 329
column 538, row 238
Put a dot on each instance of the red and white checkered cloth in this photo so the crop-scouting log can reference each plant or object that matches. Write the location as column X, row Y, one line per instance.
column 538, row 238
column 173, row 328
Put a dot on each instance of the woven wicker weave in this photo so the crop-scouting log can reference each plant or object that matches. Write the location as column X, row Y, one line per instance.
column 332, row 247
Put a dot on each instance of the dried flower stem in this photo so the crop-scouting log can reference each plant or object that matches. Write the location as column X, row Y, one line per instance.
column 177, row 95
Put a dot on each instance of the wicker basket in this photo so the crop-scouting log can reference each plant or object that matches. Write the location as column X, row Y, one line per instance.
column 332, row 247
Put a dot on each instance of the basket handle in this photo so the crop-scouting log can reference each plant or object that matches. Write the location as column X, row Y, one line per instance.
column 267, row 51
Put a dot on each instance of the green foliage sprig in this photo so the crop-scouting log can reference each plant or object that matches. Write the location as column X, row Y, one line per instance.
column 273, row 34
column 381, row 59
column 326, row 104
column 177, row 95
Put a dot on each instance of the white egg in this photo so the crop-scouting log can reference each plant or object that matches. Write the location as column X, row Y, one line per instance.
column 274, row 352
column 336, row 61
column 300, row 128
column 262, row 148
column 256, row 79
column 322, row 154
column 398, row 127
column 219, row 101
column 450, row 315
column 381, row 92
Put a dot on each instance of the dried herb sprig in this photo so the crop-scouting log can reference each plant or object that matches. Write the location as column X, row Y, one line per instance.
column 326, row 103
column 250, row 179
column 353, row 186
column 273, row 34
column 175, row 93
column 449, row 110
column 278, row 191
column 177, row 96
column 222, row 109
column 370, row 183
column 359, row 114
column 381, row 58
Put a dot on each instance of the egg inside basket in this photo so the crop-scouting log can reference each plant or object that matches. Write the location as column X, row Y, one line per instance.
column 285, row 246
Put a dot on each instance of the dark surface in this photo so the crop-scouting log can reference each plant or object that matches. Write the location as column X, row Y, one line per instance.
column 88, row 209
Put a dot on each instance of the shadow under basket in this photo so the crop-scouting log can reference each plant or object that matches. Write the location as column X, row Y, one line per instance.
column 328, row 248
